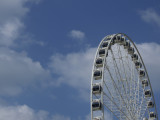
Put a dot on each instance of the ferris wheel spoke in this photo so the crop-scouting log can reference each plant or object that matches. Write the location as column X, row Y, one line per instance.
column 118, row 92
column 108, row 90
column 116, row 106
column 127, row 79
column 119, row 83
column 115, row 63
column 134, row 92
column 142, row 106
column 111, row 111
column 121, row 62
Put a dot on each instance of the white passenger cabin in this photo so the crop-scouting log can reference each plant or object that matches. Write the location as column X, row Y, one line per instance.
column 96, row 104
column 97, row 74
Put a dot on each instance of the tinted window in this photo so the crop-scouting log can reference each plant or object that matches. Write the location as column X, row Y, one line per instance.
column 97, row 73
column 105, row 44
column 147, row 93
column 142, row 72
column 99, row 61
column 102, row 51
column 95, row 104
column 96, row 88
column 118, row 37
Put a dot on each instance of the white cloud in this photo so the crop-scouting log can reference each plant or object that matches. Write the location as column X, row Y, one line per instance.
column 12, row 13
column 74, row 69
column 18, row 71
column 77, row 34
column 23, row 112
column 151, row 55
column 9, row 32
column 150, row 16
column 9, row 10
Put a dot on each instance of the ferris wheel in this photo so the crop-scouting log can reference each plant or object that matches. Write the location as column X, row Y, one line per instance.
column 120, row 83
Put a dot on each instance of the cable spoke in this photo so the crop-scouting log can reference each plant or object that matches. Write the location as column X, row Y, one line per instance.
column 121, row 93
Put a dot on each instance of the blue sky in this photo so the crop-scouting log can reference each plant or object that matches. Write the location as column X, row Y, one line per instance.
column 47, row 49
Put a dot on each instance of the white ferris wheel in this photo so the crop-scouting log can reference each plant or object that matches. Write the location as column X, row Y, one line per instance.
column 120, row 83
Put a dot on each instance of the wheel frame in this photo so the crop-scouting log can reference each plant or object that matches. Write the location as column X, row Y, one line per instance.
column 102, row 81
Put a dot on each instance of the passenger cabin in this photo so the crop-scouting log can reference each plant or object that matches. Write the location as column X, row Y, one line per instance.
column 108, row 38
column 97, row 74
column 105, row 44
column 138, row 64
column 96, row 104
column 122, row 41
column 97, row 118
column 152, row 115
column 134, row 57
column 147, row 93
column 127, row 45
column 117, row 38
column 141, row 73
column 150, row 104
column 99, row 62
column 102, row 52
column 131, row 50
column 96, row 89
column 144, row 83
column 113, row 41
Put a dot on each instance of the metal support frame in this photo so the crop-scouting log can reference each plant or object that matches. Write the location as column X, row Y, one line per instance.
column 129, row 100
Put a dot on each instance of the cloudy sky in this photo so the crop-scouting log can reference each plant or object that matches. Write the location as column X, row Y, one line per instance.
column 47, row 49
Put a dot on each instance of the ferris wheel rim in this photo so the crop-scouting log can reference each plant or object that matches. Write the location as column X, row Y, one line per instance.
column 144, row 69
column 105, row 62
